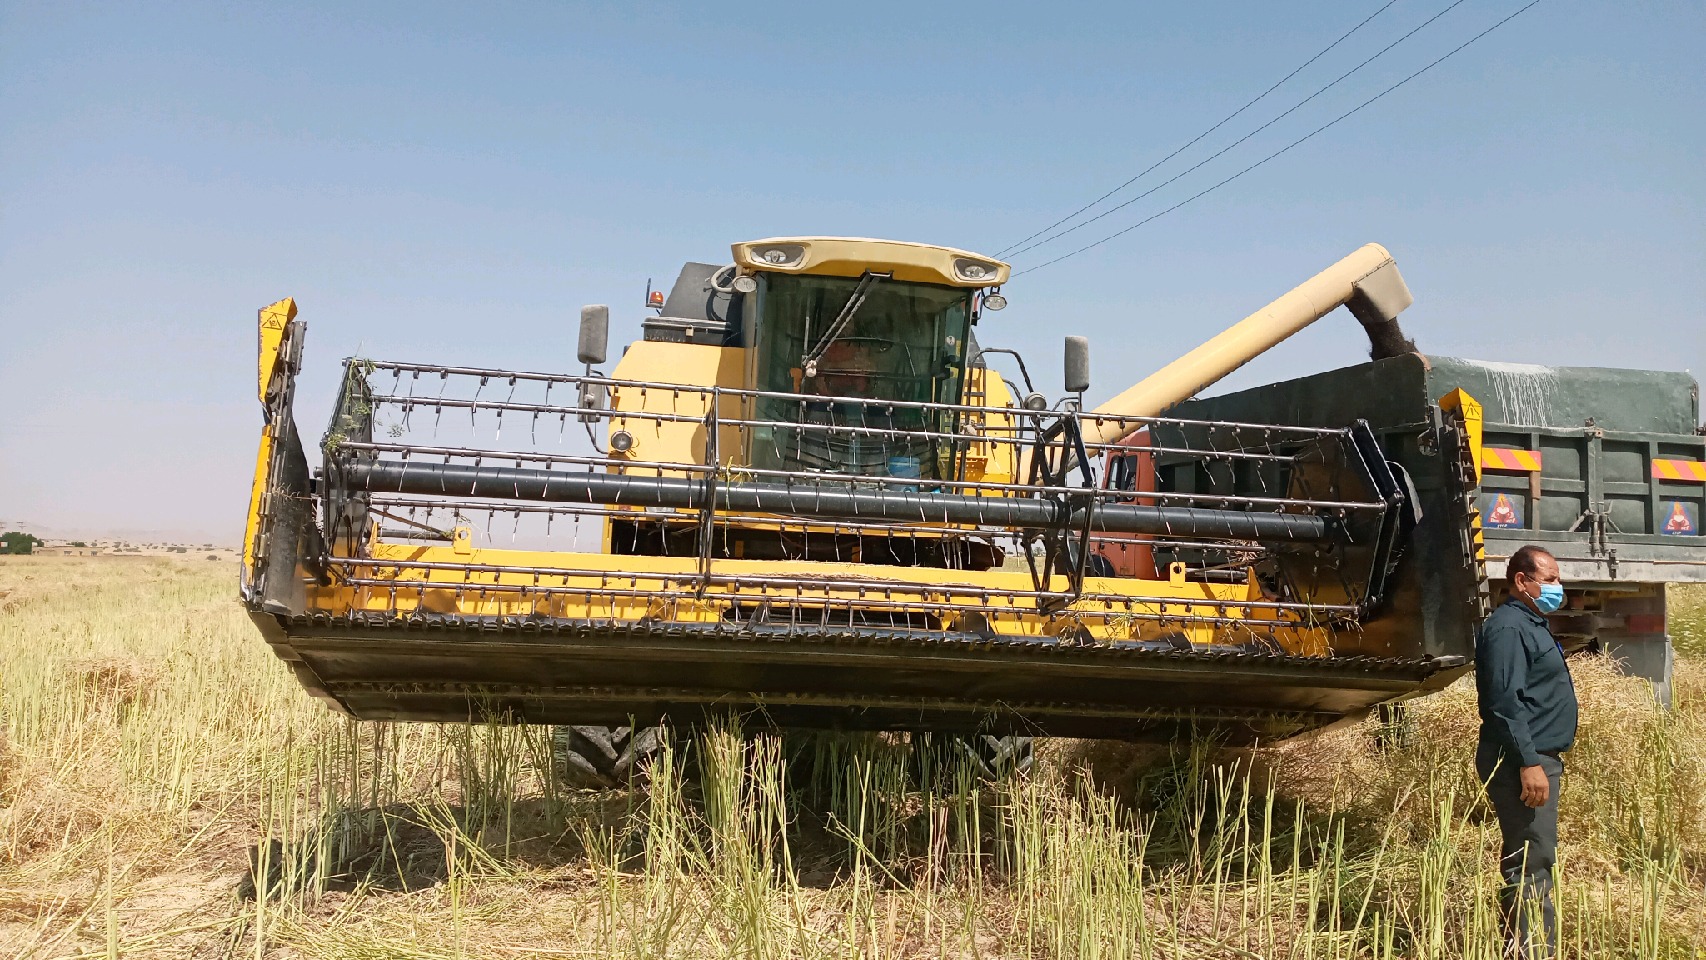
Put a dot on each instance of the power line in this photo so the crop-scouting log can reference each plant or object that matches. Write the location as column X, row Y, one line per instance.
column 1324, row 50
column 1218, row 153
column 1356, row 109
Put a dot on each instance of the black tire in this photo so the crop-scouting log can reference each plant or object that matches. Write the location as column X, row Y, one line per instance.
column 1003, row 758
column 988, row 757
column 605, row 757
column 1397, row 729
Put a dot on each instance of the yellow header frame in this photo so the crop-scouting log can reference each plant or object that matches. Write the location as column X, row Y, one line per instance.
column 270, row 326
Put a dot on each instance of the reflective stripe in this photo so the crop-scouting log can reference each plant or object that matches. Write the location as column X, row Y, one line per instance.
column 1688, row 471
column 1519, row 461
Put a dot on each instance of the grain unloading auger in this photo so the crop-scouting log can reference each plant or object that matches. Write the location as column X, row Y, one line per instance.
column 806, row 496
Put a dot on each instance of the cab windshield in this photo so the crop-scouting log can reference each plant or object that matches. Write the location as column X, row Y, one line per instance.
column 848, row 339
column 897, row 341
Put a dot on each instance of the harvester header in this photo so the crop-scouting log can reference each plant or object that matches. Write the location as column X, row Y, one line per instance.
column 808, row 494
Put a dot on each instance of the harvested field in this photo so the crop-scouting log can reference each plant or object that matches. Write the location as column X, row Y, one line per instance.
column 166, row 789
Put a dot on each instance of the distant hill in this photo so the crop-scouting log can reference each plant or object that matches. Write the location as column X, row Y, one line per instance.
column 126, row 534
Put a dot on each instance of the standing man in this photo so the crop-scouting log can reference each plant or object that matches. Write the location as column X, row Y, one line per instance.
column 1528, row 720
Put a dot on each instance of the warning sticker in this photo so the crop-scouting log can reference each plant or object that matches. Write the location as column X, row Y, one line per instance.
column 1680, row 519
column 1500, row 511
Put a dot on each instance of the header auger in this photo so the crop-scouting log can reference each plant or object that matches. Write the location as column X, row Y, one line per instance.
column 806, row 494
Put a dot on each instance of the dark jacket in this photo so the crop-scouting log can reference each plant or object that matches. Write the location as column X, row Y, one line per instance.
column 1527, row 701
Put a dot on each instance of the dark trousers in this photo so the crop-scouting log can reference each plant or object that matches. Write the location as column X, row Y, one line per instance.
column 1529, row 852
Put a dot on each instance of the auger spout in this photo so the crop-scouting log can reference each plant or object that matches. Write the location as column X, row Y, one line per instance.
column 1367, row 281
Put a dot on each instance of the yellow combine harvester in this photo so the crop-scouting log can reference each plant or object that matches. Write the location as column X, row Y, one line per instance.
column 807, row 495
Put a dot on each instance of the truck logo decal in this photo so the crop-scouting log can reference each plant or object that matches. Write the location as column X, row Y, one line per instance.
column 1682, row 521
column 1504, row 513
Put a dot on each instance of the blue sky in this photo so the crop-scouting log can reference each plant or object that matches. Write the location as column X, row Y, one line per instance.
column 451, row 182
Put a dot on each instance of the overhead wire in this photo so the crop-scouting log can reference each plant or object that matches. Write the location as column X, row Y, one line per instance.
column 1288, row 147
column 1194, row 140
column 1223, row 150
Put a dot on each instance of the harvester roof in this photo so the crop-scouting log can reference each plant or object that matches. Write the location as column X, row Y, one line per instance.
column 853, row 256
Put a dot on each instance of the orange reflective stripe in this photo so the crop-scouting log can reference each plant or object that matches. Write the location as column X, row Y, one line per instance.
column 1520, row 461
column 1688, row 471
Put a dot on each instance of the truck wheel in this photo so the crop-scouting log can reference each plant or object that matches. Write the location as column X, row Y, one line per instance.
column 604, row 757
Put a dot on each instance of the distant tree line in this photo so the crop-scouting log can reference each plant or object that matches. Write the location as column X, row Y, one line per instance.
column 18, row 542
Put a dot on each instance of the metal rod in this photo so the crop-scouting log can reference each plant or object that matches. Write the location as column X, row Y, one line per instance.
column 652, row 416
column 1093, row 416
column 1225, row 500
column 763, row 521
column 847, row 503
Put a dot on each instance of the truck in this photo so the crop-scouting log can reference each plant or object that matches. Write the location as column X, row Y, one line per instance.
column 1604, row 468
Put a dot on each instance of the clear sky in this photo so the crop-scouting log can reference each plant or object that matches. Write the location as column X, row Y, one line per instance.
column 450, row 182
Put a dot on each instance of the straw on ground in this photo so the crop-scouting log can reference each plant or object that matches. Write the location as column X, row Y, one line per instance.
column 166, row 789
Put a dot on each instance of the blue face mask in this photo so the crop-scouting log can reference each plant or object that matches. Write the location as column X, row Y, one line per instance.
column 1551, row 597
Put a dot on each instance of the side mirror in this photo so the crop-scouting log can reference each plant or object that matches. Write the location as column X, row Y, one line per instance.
column 1077, row 364
column 595, row 333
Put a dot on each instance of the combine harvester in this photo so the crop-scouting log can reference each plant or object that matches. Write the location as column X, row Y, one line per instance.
column 807, row 497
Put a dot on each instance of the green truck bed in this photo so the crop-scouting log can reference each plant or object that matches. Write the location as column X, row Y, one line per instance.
column 1616, row 496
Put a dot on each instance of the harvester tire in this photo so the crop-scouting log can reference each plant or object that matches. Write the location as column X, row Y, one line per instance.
column 604, row 757
column 989, row 758
column 1003, row 758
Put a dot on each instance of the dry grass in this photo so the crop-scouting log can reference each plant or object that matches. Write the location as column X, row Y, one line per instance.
column 167, row 790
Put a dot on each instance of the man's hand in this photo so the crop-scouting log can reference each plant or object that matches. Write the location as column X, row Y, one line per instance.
column 1535, row 787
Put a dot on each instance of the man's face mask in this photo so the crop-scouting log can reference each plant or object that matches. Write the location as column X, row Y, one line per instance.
column 1551, row 597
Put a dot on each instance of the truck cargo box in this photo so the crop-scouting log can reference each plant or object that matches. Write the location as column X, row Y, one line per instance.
column 1605, row 468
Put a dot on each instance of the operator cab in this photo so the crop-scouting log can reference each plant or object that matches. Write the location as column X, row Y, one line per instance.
column 860, row 362
column 834, row 323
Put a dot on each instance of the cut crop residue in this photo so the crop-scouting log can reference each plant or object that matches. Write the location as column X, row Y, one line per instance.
column 1523, row 390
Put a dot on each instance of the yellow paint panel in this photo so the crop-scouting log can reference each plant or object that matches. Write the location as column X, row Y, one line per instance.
column 987, row 461
column 270, row 324
column 852, row 256
column 257, row 494
column 489, row 582
column 273, row 320
column 1470, row 408
column 693, row 365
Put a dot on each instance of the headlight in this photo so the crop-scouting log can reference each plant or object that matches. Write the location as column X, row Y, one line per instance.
column 1035, row 402
column 744, row 285
column 621, row 441
column 995, row 301
column 974, row 270
column 780, row 254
